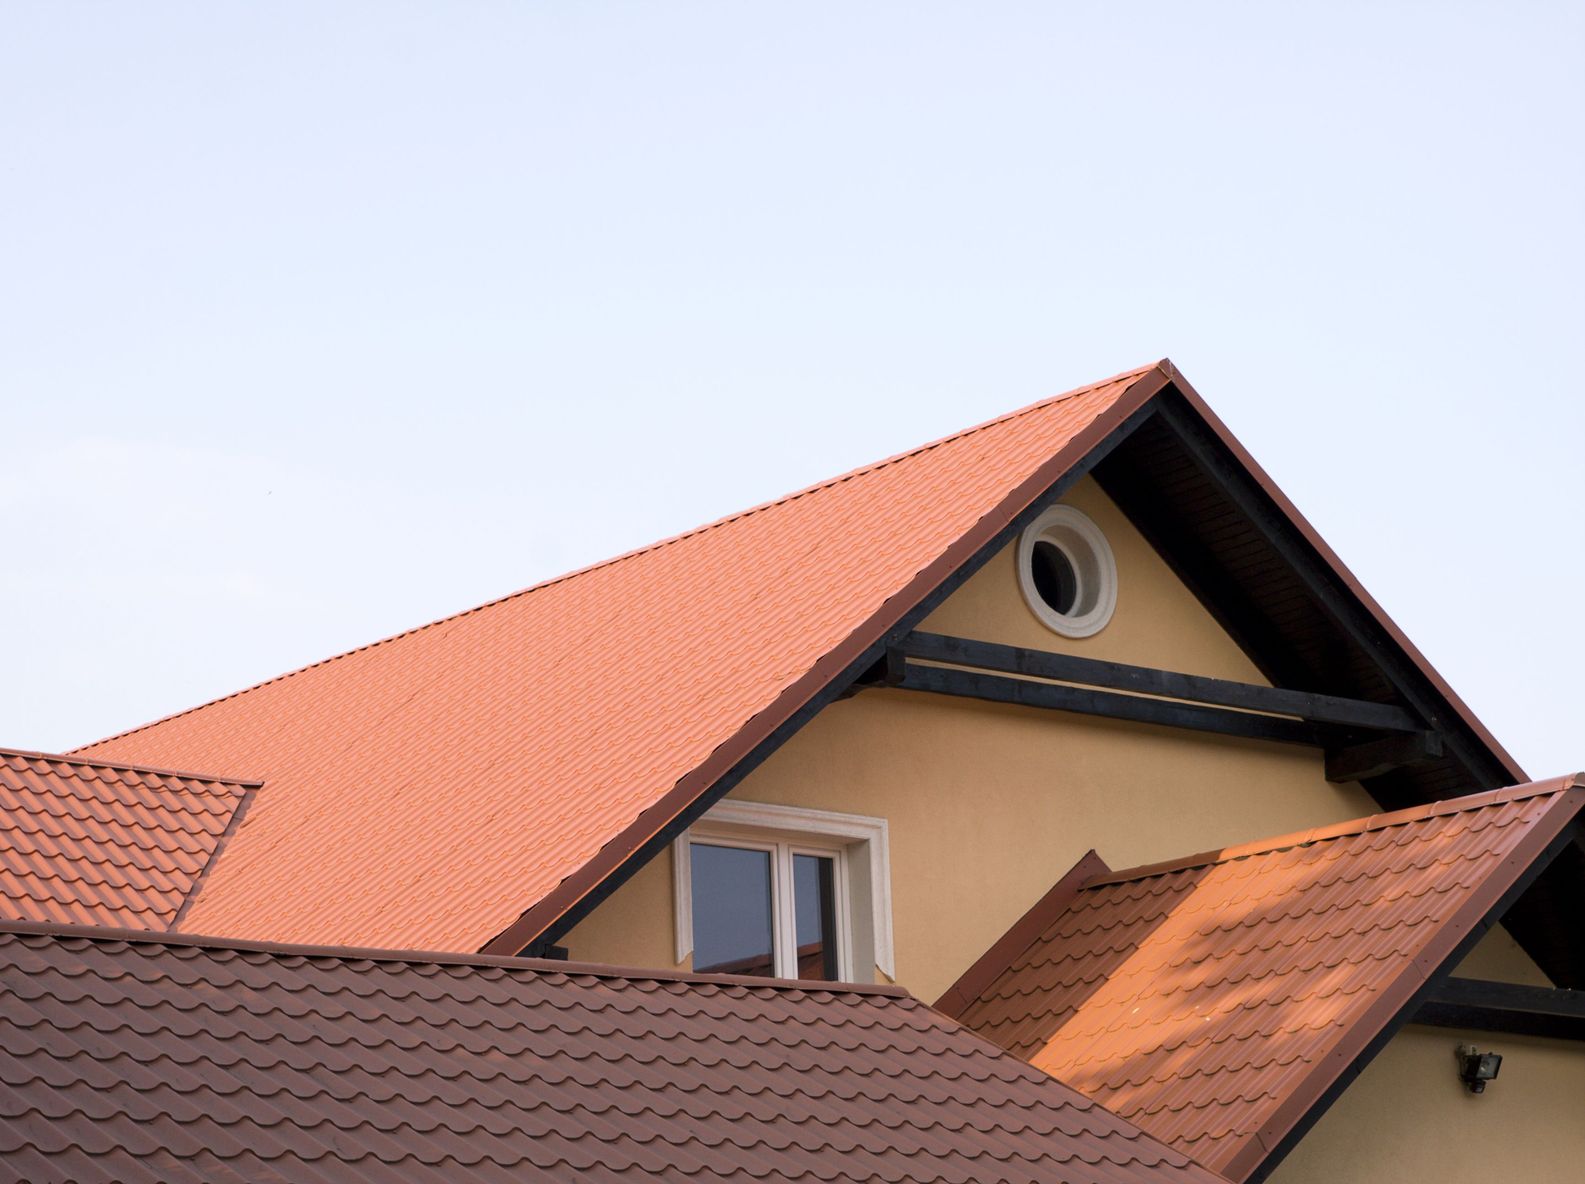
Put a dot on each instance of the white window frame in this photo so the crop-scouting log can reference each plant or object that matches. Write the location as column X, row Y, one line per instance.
column 1073, row 533
column 862, row 877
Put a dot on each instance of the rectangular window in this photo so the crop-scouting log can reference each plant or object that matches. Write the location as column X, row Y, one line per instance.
column 784, row 891
column 766, row 909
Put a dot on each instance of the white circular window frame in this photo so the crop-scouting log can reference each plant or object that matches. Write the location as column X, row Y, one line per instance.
column 1077, row 537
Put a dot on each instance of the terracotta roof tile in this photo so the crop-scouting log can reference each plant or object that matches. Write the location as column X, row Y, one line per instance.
column 427, row 789
column 1212, row 999
column 182, row 1060
column 94, row 843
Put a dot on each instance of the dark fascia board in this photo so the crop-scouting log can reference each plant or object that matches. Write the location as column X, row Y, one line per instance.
column 696, row 791
column 990, row 965
column 1397, row 1002
column 1375, row 615
column 830, row 677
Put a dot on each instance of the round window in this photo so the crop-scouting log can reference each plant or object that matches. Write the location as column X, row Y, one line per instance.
column 1067, row 573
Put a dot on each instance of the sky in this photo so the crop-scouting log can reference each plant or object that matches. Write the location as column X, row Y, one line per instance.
column 322, row 320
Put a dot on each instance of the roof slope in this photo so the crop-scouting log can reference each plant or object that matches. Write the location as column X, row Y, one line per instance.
column 92, row 843
column 179, row 1060
column 426, row 790
column 1213, row 1000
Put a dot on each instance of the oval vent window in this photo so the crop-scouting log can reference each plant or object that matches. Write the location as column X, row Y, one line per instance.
column 1067, row 573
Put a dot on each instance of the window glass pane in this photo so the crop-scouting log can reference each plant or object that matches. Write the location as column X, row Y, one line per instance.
column 731, row 910
column 814, row 902
column 1056, row 580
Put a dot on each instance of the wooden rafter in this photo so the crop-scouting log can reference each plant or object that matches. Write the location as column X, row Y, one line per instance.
column 1504, row 1007
column 1360, row 737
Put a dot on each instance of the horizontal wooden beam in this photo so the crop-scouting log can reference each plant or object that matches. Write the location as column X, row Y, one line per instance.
column 1375, row 757
column 1504, row 1007
column 1193, row 688
column 1086, row 701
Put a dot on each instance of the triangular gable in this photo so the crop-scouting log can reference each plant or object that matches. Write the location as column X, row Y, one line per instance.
column 484, row 781
column 129, row 1058
column 1222, row 1001
column 101, row 843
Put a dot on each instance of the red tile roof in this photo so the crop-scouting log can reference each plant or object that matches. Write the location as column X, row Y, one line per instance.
column 1213, row 1000
column 92, row 843
column 427, row 789
column 178, row 1060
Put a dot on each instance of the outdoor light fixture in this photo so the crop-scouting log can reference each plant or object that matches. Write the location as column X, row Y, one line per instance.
column 1476, row 1068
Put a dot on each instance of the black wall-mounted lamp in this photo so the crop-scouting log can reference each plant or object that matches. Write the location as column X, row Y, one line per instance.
column 1476, row 1068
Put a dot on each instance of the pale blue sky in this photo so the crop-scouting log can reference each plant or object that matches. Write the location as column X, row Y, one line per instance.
column 318, row 321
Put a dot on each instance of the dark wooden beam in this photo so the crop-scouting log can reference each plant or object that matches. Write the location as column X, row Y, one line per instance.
column 998, row 688
column 1504, row 1007
column 1194, row 688
column 1375, row 757
column 1340, row 604
column 886, row 672
column 546, row 951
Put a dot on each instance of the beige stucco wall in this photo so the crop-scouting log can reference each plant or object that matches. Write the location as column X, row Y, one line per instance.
column 989, row 804
column 1408, row 1118
column 1158, row 622
column 1498, row 957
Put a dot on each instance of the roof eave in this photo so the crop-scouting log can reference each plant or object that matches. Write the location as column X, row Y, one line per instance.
column 1329, row 557
column 1398, row 1000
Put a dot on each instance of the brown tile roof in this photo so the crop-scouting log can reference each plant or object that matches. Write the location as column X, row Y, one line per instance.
column 1215, row 999
column 138, row 1058
column 88, row 842
column 427, row 789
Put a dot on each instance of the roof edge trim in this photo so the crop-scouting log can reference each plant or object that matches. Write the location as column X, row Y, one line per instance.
column 439, row 958
column 233, row 824
column 1398, row 999
column 1329, row 559
column 989, row 966
column 1355, row 826
column 73, row 758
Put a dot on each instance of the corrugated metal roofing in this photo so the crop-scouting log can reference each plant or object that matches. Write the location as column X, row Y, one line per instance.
column 426, row 790
column 172, row 1060
column 91, row 843
column 1212, row 1000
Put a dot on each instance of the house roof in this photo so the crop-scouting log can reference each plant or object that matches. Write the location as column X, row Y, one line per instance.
column 1214, row 1000
column 427, row 789
column 134, row 1057
column 477, row 782
column 92, row 842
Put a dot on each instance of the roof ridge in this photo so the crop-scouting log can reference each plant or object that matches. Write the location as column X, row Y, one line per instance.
column 827, row 483
column 101, row 933
column 1338, row 830
column 69, row 758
